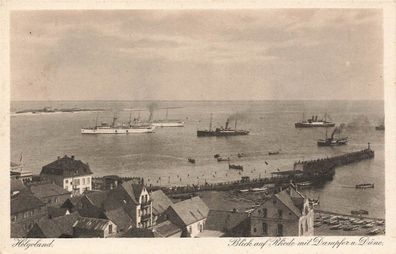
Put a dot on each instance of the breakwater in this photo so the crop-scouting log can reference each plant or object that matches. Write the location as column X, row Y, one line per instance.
column 313, row 171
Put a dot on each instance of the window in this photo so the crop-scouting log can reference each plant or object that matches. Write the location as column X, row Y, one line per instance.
column 306, row 225
column 254, row 230
column 88, row 180
column 280, row 230
column 280, row 213
column 259, row 211
column 110, row 229
column 13, row 218
column 265, row 212
column 265, row 229
column 190, row 229
column 66, row 181
column 139, row 213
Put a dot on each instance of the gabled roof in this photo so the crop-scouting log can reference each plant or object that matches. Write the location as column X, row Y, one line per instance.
column 191, row 210
column 56, row 227
column 161, row 202
column 66, row 167
column 91, row 223
column 54, row 212
column 96, row 198
column 47, row 190
column 24, row 202
column 120, row 218
column 165, row 229
column 285, row 198
column 224, row 220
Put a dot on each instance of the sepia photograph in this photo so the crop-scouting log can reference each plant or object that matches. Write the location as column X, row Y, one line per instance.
column 197, row 123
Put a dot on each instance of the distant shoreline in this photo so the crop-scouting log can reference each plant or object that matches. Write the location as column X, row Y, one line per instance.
column 89, row 100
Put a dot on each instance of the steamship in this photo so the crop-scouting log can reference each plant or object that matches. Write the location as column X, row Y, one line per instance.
column 222, row 132
column 314, row 122
column 114, row 128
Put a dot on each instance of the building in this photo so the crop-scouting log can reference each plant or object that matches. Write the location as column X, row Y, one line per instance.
column 71, row 174
column 17, row 171
column 26, row 210
column 50, row 193
column 135, row 200
column 189, row 215
column 286, row 213
column 227, row 224
column 59, row 227
column 92, row 227
column 166, row 229
column 17, row 186
column 128, row 205
column 161, row 202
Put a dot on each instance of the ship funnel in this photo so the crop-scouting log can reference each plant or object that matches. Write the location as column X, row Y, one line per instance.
column 227, row 122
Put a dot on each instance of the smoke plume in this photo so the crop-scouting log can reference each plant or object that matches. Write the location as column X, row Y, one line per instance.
column 151, row 108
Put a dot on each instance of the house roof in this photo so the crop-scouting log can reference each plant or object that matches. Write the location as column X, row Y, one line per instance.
column 138, row 232
column 24, row 202
column 54, row 212
column 91, row 223
column 191, row 210
column 97, row 198
column 18, row 231
column 17, row 185
column 165, row 229
column 224, row 220
column 47, row 190
column 120, row 218
column 56, row 227
column 66, row 167
column 161, row 202
column 285, row 198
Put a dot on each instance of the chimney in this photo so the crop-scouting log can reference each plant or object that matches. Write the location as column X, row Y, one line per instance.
column 72, row 157
column 58, row 157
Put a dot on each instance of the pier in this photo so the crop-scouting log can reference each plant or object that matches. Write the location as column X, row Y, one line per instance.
column 315, row 171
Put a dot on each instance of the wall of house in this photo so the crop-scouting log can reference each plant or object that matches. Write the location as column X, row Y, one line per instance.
column 107, row 233
column 145, row 208
column 196, row 228
column 289, row 221
column 55, row 200
column 28, row 218
column 306, row 222
column 81, row 183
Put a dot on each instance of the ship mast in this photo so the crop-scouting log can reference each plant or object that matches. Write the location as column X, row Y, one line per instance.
column 96, row 120
column 130, row 119
column 210, row 123
column 236, row 123
column 114, row 120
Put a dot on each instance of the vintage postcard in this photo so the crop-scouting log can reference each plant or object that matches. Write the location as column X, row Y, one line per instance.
column 239, row 127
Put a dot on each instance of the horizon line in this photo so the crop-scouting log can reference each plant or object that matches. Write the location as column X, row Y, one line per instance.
column 254, row 100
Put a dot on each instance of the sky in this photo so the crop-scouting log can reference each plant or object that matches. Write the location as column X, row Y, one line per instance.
column 267, row 54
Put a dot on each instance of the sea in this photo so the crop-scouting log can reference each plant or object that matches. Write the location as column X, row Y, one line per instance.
column 161, row 158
